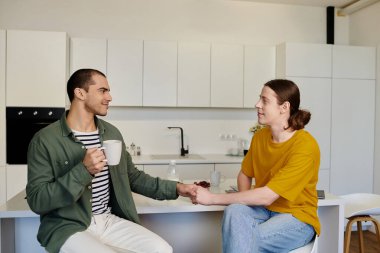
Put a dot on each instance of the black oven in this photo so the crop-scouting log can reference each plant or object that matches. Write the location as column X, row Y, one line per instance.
column 21, row 125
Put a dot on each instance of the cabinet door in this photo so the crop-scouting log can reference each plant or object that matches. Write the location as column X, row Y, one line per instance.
column 2, row 98
column 3, row 185
column 16, row 179
column 303, row 60
column 193, row 74
column 354, row 62
column 88, row 53
column 259, row 67
column 186, row 171
column 36, row 68
column 124, row 71
column 316, row 97
column 352, row 135
column 324, row 180
column 227, row 75
column 160, row 73
column 228, row 170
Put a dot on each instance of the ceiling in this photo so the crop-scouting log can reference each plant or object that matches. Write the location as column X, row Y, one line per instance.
column 321, row 3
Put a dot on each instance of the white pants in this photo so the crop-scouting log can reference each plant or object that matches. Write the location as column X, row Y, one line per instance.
column 110, row 234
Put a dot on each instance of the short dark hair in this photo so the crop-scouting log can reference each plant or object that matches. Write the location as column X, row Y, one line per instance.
column 287, row 90
column 81, row 78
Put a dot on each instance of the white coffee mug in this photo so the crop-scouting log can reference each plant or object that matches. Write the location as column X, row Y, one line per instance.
column 215, row 178
column 112, row 151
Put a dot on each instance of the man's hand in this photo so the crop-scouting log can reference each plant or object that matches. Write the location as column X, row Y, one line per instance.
column 94, row 160
column 187, row 190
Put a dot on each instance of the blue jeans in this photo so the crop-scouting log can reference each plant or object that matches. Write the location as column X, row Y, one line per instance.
column 255, row 229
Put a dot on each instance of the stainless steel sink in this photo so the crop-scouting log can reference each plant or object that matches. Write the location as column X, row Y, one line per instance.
column 177, row 157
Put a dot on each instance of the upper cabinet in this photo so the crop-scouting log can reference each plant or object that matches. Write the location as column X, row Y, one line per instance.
column 177, row 74
column 259, row 68
column 354, row 62
column 303, row 60
column 227, row 66
column 193, row 74
column 125, row 72
column 36, row 65
column 88, row 53
column 160, row 73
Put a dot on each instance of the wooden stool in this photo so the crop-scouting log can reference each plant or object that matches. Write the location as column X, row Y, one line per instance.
column 359, row 219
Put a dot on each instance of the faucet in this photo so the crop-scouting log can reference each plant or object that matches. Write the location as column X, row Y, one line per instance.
column 183, row 150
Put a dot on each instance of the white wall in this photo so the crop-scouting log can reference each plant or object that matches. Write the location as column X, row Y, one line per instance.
column 207, row 20
column 364, row 30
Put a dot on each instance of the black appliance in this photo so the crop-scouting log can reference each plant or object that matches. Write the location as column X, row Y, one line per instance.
column 21, row 125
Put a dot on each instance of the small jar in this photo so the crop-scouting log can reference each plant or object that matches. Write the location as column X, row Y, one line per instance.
column 138, row 151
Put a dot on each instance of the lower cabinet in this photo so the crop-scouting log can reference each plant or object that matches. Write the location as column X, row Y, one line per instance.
column 3, row 185
column 185, row 171
column 195, row 171
column 16, row 176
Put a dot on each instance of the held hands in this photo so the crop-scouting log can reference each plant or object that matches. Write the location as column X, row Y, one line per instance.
column 187, row 190
column 203, row 196
column 94, row 160
column 197, row 194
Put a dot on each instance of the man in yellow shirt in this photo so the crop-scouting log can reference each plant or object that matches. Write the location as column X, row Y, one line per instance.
column 280, row 213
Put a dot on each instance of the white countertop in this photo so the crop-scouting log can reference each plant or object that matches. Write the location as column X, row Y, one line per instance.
column 17, row 207
column 205, row 158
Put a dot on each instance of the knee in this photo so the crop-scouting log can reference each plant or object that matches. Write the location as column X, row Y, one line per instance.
column 234, row 210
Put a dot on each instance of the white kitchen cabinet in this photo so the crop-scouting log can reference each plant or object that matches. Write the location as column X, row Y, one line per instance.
column 36, row 66
column 195, row 171
column 3, row 185
column 316, row 98
column 227, row 62
column 88, row 53
column 140, row 167
column 16, row 179
column 193, row 74
column 160, row 73
column 352, row 135
column 228, row 170
column 186, row 171
column 2, row 98
column 124, row 71
column 259, row 67
column 303, row 60
column 354, row 62
column 324, row 180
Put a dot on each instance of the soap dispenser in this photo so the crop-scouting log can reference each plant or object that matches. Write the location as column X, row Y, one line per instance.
column 172, row 173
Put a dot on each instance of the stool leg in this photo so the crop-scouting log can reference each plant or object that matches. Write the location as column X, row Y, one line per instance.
column 348, row 236
column 360, row 230
column 377, row 227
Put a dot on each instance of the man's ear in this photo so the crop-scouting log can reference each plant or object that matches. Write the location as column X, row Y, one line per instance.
column 78, row 93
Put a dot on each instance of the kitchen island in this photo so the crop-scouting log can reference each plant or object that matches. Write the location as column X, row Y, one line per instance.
column 188, row 228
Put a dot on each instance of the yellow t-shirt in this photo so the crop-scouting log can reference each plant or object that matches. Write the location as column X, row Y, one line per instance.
column 290, row 169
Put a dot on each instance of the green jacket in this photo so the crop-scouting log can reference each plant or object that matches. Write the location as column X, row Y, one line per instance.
column 59, row 186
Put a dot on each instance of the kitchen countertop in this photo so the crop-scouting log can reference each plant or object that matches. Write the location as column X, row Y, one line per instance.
column 18, row 207
column 203, row 159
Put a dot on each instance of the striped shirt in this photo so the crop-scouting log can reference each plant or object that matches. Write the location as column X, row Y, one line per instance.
column 100, row 183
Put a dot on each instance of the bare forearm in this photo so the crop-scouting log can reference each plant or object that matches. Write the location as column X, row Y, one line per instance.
column 257, row 197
